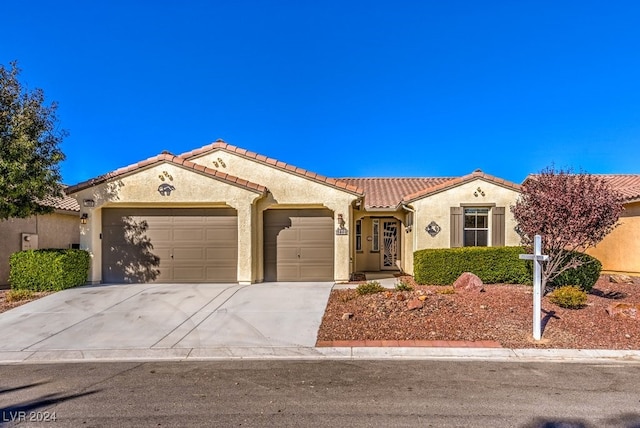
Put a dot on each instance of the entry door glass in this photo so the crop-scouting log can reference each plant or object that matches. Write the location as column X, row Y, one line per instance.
column 390, row 244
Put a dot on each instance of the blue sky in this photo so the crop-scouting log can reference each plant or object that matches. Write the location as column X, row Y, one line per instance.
column 342, row 88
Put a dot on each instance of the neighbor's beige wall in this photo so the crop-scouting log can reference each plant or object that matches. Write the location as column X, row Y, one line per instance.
column 620, row 250
column 288, row 190
column 55, row 230
column 437, row 208
column 192, row 189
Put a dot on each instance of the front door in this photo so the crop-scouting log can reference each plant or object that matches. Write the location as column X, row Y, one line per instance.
column 389, row 244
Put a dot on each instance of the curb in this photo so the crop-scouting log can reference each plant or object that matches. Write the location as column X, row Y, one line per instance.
column 593, row 356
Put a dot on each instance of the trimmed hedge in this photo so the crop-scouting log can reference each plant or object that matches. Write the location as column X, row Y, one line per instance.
column 48, row 270
column 584, row 276
column 494, row 265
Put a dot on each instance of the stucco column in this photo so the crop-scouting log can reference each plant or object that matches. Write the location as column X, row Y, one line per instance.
column 341, row 242
column 245, row 243
column 90, row 241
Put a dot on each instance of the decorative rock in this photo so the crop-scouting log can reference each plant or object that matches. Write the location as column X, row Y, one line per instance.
column 628, row 310
column 620, row 279
column 414, row 304
column 347, row 316
column 468, row 282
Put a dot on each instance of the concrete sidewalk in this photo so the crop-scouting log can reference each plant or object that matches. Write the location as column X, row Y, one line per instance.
column 148, row 322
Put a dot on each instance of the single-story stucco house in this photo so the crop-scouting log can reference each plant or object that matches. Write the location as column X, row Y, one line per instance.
column 56, row 230
column 224, row 214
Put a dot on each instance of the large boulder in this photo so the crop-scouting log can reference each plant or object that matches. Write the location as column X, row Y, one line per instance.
column 620, row 279
column 626, row 310
column 468, row 282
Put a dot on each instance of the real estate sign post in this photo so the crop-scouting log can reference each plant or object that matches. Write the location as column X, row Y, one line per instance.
column 537, row 258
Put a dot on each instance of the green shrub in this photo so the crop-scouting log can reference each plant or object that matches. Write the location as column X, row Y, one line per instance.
column 403, row 285
column 584, row 276
column 48, row 270
column 569, row 296
column 494, row 265
column 18, row 295
column 370, row 287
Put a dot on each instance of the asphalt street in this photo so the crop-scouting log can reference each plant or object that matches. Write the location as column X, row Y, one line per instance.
column 321, row 393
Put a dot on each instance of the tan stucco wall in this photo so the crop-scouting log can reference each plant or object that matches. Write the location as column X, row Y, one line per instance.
column 288, row 190
column 620, row 250
column 192, row 189
column 437, row 208
column 55, row 230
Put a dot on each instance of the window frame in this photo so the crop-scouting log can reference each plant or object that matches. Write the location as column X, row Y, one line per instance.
column 375, row 235
column 486, row 214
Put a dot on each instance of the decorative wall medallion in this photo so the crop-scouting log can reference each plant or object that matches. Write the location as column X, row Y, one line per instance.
column 433, row 229
column 165, row 189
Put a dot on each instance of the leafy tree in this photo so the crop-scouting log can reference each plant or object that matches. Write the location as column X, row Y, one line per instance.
column 29, row 148
column 572, row 212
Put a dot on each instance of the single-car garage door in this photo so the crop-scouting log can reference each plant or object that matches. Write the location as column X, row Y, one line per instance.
column 169, row 245
column 298, row 245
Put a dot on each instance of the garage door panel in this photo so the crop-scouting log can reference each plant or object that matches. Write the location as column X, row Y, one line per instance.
column 313, row 256
column 229, row 234
column 219, row 272
column 189, row 254
column 220, row 254
column 188, row 235
column 190, row 273
column 169, row 245
column 298, row 245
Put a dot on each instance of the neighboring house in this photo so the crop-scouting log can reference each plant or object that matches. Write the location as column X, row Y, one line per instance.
column 56, row 230
column 620, row 250
column 223, row 214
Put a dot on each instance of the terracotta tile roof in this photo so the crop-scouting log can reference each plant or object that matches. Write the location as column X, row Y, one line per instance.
column 65, row 203
column 477, row 174
column 628, row 185
column 221, row 145
column 389, row 192
column 176, row 160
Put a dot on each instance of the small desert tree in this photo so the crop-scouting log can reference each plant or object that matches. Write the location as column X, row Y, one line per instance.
column 29, row 148
column 572, row 212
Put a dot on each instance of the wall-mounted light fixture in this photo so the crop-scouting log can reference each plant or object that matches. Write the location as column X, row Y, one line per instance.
column 90, row 203
column 83, row 218
column 341, row 230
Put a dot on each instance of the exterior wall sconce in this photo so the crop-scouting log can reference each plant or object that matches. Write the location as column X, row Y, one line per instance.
column 341, row 230
column 83, row 218
column 90, row 203
column 477, row 192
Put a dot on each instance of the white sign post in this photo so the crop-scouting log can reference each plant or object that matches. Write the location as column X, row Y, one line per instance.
column 537, row 258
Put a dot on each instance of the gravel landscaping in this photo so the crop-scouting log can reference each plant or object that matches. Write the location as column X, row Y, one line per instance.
column 501, row 313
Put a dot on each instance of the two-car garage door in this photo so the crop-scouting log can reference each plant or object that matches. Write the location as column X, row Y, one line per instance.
column 169, row 245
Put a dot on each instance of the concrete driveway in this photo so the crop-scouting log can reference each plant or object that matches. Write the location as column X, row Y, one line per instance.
column 167, row 316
